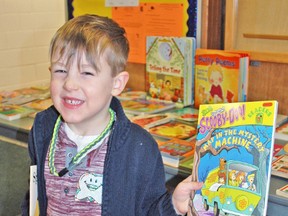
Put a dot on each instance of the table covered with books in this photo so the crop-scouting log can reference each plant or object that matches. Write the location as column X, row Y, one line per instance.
column 174, row 127
column 18, row 108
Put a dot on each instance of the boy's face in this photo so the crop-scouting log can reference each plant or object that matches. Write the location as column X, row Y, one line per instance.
column 81, row 95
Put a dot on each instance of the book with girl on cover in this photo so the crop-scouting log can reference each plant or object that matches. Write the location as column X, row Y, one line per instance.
column 233, row 155
column 220, row 76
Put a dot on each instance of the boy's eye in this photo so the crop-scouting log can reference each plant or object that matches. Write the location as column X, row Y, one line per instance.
column 60, row 71
column 88, row 73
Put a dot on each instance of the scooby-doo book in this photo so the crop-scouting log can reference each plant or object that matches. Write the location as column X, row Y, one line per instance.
column 233, row 155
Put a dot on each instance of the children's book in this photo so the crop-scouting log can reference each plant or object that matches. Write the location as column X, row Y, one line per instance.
column 220, row 76
column 280, row 166
column 12, row 112
column 188, row 113
column 132, row 95
column 174, row 150
column 143, row 106
column 147, row 121
column 173, row 129
column 233, row 155
column 169, row 68
column 23, row 96
column 283, row 191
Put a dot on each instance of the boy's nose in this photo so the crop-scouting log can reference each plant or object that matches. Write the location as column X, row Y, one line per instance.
column 71, row 83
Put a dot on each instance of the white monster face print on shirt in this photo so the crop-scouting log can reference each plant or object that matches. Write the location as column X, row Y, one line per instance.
column 90, row 188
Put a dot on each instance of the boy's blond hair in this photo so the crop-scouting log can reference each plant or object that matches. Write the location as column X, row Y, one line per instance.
column 95, row 36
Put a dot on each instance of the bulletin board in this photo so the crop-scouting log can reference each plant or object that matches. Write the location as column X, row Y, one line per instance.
column 152, row 17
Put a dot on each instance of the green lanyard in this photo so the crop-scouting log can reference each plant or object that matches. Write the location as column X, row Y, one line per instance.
column 80, row 155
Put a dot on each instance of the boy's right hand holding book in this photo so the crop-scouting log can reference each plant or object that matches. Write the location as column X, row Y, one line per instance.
column 181, row 194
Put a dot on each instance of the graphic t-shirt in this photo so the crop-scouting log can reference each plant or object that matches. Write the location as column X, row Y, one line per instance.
column 79, row 192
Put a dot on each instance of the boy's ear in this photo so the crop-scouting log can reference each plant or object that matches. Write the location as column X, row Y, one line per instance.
column 120, row 82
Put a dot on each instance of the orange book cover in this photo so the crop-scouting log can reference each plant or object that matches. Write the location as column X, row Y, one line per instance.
column 174, row 129
column 147, row 121
column 220, row 77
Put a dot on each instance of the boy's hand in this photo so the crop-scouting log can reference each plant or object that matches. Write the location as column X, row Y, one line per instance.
column 181, row 194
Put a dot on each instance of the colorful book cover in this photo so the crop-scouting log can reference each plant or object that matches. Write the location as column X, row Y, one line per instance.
column 220, row 77
column 23, row 96
column 280, row 166
column 174, row 150
column 147, row 121
column 132, row 95
column 187, row 113
column 233, row 155
column 12, row 112
column 173, row 129
column 169, row 68
column 144, row 106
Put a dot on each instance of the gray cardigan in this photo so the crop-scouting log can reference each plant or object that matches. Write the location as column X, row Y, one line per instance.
column 134, row 179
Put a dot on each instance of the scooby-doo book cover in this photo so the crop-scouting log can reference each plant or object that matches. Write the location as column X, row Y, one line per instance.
column 233, row 155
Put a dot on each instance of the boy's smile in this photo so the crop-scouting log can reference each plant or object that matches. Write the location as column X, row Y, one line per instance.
column 72, row 103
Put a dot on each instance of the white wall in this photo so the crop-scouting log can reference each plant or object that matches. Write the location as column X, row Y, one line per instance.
column 26, row 28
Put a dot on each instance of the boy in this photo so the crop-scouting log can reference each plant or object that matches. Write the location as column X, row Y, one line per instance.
column 91, row 160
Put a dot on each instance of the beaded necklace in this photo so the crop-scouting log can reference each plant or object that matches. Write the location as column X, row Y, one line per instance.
column 81, row 154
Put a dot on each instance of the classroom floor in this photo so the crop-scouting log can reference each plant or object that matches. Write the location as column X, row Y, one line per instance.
column 14, row 166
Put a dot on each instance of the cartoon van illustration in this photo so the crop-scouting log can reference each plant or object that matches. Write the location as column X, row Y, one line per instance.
column 232, row 189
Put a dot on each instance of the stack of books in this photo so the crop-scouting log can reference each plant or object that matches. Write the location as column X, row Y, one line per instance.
column 23, row 102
